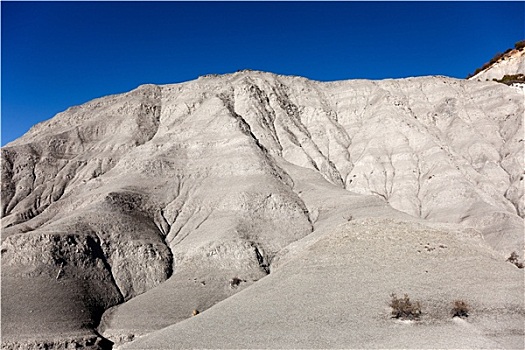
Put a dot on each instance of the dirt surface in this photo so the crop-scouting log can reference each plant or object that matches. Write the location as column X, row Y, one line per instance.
column 336, row 292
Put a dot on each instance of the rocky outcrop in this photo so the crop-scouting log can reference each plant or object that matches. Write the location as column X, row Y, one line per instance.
column 143, row 194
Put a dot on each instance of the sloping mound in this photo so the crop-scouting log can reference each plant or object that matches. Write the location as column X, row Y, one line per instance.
column 336, row 292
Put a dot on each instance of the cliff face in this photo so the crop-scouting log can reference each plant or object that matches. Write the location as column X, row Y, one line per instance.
column 171, row 188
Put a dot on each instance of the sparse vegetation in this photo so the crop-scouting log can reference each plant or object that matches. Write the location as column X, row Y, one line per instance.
column 511, row 79
column 514, row 259
column 234, row 282
column 498, row 56
column 519, row 45
column 405, row 309
column 460, row 309
column 493, row 60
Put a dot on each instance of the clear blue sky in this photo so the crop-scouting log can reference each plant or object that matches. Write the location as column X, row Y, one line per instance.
column 59, row 54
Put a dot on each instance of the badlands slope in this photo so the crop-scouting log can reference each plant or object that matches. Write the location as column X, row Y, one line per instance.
column 511, row 63
column 317, row 200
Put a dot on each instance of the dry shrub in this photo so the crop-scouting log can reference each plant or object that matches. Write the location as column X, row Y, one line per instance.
column 511, row 79
column 513, row 259
column 405, row 309
column 460, row 309
column 235, row 282
column 519, row 45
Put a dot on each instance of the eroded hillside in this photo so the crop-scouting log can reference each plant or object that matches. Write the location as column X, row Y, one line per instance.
column 164, row 194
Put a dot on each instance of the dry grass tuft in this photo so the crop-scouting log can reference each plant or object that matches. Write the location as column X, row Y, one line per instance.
column 460, row 309
column 405, row 309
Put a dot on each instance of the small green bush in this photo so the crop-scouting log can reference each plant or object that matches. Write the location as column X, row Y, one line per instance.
column 460, row 309
column 405, row 309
